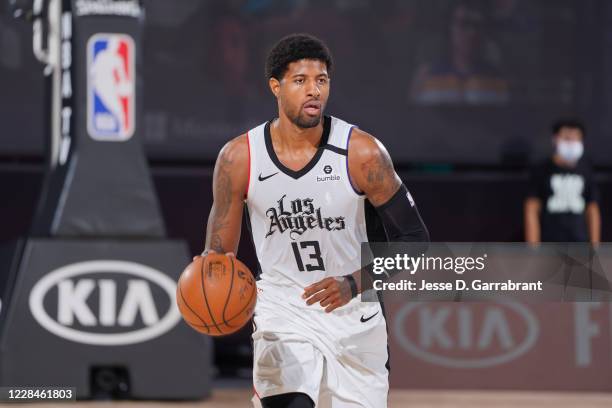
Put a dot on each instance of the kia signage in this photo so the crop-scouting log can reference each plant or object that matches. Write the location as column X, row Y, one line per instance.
column 126, row 310
column 94, row 305
column 501, row 345
column 464, row 336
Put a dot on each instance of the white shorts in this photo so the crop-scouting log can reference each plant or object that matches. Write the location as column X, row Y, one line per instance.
column 338, row 359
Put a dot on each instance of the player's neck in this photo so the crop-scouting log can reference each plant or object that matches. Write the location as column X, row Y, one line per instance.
column 286, row 134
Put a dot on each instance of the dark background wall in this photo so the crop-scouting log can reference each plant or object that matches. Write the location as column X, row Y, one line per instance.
column 457, row 207
column 532, row 60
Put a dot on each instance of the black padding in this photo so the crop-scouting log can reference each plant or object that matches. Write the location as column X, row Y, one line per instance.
column 401, row 218
column 289, row 400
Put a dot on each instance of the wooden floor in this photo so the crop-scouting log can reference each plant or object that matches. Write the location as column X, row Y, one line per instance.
column 237, row 398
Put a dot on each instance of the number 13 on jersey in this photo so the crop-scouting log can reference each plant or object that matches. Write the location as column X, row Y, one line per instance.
column 310, row 249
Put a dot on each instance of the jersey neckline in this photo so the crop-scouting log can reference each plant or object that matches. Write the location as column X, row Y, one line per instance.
column 315, row 159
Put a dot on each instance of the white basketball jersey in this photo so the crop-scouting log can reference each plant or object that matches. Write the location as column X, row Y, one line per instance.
column 308, row 224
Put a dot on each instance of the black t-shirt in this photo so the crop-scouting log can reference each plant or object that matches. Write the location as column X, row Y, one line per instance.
column 565, row 193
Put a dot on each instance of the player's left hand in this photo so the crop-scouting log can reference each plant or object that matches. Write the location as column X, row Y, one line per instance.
column 331, row 293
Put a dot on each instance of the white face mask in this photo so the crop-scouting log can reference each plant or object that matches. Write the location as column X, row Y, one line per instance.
column 570, row 151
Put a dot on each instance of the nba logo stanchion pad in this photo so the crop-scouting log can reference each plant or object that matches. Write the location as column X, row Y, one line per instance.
column 89, row 300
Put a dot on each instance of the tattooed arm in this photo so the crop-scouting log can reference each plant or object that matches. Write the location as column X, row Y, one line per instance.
column 230, row 182
column 371, row 169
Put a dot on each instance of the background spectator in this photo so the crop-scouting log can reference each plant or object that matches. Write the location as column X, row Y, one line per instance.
column 562, row 203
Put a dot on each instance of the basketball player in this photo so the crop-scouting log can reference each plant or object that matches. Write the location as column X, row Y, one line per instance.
column 309, row 182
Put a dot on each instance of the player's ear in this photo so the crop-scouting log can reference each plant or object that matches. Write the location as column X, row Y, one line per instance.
column 274, row 86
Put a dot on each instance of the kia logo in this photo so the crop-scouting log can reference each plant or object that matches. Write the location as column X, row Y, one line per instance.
column 111, row 306
column 466, row 336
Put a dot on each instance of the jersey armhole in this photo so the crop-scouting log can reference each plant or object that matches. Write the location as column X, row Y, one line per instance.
column 348, row 173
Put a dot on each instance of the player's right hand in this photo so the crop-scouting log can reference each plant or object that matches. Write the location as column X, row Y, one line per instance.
column 331, row 293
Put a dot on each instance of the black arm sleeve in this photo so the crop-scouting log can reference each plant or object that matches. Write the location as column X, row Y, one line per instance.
column 401, row 218
column 402, row 223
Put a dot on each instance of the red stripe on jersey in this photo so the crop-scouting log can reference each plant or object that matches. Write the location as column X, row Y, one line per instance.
column 246, row 195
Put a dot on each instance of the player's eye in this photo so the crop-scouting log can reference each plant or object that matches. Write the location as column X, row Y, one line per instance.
column 322, row 81
column 299, row 81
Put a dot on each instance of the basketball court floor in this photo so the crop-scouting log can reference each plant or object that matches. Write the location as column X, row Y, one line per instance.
column 237, row 398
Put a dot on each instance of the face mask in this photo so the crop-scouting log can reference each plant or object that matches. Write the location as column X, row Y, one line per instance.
column 570, row 151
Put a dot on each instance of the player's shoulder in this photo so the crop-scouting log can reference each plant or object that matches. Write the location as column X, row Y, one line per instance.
column 233, row 159
column 364, row 147
column 233, row 164
column 236, row 150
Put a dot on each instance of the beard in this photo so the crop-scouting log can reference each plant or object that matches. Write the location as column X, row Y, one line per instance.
column 304, row 121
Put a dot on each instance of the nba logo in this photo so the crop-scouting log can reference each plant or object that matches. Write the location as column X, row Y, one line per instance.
column 110, row 87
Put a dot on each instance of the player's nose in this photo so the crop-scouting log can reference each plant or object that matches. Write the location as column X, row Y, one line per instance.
column 313, row 89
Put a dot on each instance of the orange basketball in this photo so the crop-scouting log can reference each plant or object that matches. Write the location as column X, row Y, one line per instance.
column 216, row 295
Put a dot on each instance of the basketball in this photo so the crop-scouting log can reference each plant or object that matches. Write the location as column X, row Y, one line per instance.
column 216, row 295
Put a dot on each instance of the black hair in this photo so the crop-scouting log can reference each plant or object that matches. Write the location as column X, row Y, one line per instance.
column 295, row 47
column 572, row 123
